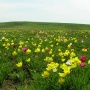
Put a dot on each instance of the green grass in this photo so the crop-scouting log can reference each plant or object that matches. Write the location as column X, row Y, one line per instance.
column 50, row 37
column 42, row 26
column 29, row 75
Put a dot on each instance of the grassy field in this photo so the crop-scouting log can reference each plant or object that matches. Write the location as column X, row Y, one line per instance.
column 42, row 26
column 44, row 56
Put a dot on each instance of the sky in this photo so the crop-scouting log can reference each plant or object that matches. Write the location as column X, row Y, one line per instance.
column 62, row 11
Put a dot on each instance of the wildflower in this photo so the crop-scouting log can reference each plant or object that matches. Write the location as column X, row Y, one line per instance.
column 28, row 60
column 37, row 50
column 76, row 59
column 83, row 58
column 50, row 52
column 26, row 41
column 57, row 43
column 39, row 46
column 88, row 61
column 69, row 45
column 63, row 59
column 60, row 54
column 4, row 44
column 43, row 50
column 62, row 74
column 19, row 50
column 19, row 64
column 21, row 43
column 55, row 70
column 61, row 80
column 48, row 59
column 75, row 41
column 3, row 38
column 59, row 50
column 52, row 66
column 28, row 51
column 52, row 55
column 65, row 68
column 14, row 53
column 84, row 49
column 20, row 46
column 51, row 45
column 45, row 74
column 24, row 49
column 72, row 54
column 82, row 64
column 8, row 44
column 69, row 62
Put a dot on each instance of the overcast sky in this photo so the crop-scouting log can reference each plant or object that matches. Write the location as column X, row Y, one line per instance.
column 64, row 11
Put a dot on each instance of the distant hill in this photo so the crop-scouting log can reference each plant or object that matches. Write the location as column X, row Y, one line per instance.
column 42, row 26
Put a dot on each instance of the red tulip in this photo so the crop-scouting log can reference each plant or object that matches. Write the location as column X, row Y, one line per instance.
column 83, row 58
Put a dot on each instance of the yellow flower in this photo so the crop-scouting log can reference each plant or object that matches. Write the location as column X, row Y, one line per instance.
column 50, row 52
column 37, row 50
column 19, row 64
column 43, row 50
column 4, row 44
column 59, row 50
column 8, row 44
column 88, row 61
column 75, row 41
column 84, row 49
column 12, row 43
column 65, row 68
column 21, row 43
column 20, row 46
column 28, row 60
column 48, row 59
column 72, row 54
column 52, row 55
column 45, row 74
column 60, row 54
column 51, row 45
column 46, row 48
column 14, row 53
column 26, row 41
column 61, row 80
column 57, row 43
column 69, row 45
column 65, row 40
column 52, row 66
column 62, row 74
column 39, row 46
column 19, row 50
column 63, row 59
column 28, row 51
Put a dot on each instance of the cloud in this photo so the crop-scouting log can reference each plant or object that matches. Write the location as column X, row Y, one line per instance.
column 73, row 11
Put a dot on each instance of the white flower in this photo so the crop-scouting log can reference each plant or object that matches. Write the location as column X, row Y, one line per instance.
column 54, row 70
column 69, row 62
column 3, row 37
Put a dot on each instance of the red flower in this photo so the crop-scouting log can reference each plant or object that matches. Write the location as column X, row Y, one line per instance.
column 83, row 58
column 14, row 46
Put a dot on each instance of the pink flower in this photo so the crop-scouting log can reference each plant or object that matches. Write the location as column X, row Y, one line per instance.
column 83, row 58
column 82, row 64
column 24, row 49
